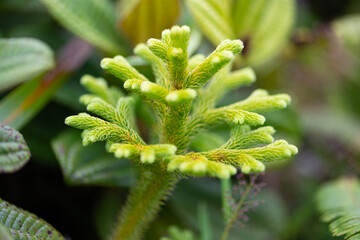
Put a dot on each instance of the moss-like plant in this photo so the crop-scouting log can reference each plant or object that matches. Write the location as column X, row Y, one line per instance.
column 183, row 99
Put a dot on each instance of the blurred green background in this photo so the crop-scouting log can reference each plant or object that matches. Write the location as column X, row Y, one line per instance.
column 317, row 62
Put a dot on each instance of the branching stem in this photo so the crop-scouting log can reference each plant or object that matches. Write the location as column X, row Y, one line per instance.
column 234, row 214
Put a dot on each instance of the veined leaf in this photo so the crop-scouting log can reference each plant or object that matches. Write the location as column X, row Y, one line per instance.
column 92, row 20
column 18, row 107
column 143, row 19
column 213, row 18
column 90, row 165
column 22, row 59
column 14, row 152
column 24, row 225
column 339, row 203
column 264, row 25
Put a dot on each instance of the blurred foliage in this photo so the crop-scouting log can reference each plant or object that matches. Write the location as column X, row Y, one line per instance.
column 339, row 203
column 317, row 63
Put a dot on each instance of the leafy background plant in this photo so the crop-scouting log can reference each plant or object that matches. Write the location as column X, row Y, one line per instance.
column 317, row 64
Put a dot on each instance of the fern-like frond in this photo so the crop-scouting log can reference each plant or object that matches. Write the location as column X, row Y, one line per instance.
column 196, row 164
column 339, row 203
column 251, row 160
column 184, row 99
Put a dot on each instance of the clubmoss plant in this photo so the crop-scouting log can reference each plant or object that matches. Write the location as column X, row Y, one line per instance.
column 183, row 99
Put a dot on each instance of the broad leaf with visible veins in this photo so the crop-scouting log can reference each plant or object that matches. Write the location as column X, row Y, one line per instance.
column 14, row 153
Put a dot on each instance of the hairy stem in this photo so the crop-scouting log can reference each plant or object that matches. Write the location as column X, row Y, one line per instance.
column 143, row 204
column 234, row 214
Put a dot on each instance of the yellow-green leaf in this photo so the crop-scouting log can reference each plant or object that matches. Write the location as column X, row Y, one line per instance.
column 213, row 18
column 143, row 19
column 264, row 26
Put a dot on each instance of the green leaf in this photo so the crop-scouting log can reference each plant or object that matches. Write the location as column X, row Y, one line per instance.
column 143, row 19
column 23, row 103
column 90, row 165
column 24, row 225
column 92, row 20
column 5, row 233
column 213, row 18
column 22, row 59
column 14, row 152
column 339, row 203
column 264, row 25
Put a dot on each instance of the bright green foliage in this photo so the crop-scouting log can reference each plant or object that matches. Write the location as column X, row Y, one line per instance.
column 22, row 59
column 264, row 24
column 176, row 234
column 14, row 152
column 24, row 225
column 171, row 97
column 90, row 166
column 92, row 20
column 183, row 99
column 339, row 203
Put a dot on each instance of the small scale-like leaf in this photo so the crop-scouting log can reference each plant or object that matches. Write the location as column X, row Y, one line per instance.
column 14, row 152
column 24, row 225
column 90, row 165
column 22, row 59
column 143, row 19
column 91, row 20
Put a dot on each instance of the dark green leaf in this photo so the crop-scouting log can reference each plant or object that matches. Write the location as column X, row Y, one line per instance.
column 24, row 225
column 90, row 165
column 14, row 153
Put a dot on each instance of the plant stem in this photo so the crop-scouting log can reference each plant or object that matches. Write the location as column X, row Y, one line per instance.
column 234, row 214
column 143, row 204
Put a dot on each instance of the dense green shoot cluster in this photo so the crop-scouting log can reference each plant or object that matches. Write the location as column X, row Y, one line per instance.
column 183, row 99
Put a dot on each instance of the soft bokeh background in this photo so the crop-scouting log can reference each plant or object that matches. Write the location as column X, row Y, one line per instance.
column 318, row 65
